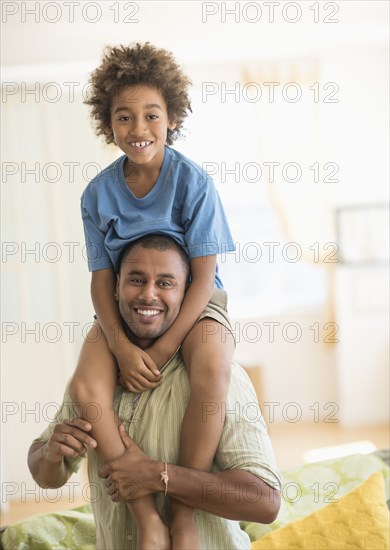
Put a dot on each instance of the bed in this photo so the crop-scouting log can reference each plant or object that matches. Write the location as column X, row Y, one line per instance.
column 334, row 504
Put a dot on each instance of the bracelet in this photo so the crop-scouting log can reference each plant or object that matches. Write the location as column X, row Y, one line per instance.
column 165, row 478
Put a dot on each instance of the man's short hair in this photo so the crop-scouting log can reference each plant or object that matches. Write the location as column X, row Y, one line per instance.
column 156, row 241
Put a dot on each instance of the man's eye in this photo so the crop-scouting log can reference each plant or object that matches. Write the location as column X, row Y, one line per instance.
column 165, row 283
column 136, row 281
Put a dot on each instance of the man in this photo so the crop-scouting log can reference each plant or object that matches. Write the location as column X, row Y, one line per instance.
column 243, row 483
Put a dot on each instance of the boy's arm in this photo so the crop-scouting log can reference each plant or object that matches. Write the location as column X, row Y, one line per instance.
column 195, row 300
column 137, row 369
column 103, row 284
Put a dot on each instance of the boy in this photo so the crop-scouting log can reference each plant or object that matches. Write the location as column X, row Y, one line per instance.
column 139, row 100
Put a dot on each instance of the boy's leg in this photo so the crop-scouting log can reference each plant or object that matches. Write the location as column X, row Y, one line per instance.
column 92, row 389
column 207, row 353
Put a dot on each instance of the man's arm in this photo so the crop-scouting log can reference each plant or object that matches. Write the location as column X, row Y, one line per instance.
column 232, row 494
column 46, row 460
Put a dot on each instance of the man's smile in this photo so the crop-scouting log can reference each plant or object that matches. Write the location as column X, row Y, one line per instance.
column 148, row 312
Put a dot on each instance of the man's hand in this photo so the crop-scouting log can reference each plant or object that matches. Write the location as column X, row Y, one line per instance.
column 131, row 476
column 138, row 371
column 68, row 439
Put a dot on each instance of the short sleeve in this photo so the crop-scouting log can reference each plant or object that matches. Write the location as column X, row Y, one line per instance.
column 206, row 228
column 94, row 240
column 65, row 412
column 245, row 443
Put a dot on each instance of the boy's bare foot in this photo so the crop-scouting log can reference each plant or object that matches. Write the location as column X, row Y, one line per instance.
column 183, row 529
column 153, row 535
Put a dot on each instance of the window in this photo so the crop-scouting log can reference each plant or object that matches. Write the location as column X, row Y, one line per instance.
column 269, row 273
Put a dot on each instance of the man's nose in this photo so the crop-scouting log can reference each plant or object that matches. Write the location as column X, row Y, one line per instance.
column 148, row 293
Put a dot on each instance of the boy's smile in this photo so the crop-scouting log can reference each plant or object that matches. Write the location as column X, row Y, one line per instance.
column 139, row 123
column 141, row 145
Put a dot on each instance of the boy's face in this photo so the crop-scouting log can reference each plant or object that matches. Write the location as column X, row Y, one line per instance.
column 140, row 122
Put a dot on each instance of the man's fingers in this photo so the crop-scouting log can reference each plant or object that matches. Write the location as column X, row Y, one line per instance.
column 59, row 447
column 66, row 450
column 72, row 436
column 79, row 423
column 126, row 440
column 104, row 471
column 71, row 442
column 110, row 485
column 76, row 433
column 78, row 427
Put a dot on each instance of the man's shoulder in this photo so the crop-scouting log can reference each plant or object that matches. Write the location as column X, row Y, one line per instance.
column 241, row 387
column 240, row 373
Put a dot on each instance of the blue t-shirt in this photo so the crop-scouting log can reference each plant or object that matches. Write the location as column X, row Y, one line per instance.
column 183, row 204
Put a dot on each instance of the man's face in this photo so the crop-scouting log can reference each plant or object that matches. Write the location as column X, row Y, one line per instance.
column 150, row 290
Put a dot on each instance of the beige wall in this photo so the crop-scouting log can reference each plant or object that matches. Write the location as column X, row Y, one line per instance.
column 35, row 368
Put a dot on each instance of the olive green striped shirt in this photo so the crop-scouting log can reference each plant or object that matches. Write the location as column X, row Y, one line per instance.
column 154, row 421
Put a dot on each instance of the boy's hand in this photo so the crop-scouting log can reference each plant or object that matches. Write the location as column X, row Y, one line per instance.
column 68, row 439
column 138, row 371
column 159, row 354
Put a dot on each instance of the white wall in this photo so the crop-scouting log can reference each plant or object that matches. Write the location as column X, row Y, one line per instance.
column 357, row 134
column 297, row 362
column 362, row 299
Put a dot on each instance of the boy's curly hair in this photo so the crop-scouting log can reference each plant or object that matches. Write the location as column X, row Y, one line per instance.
column 139, row 64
